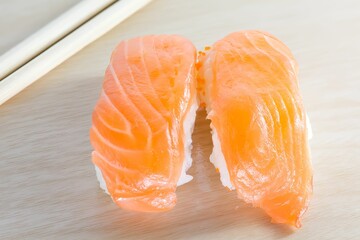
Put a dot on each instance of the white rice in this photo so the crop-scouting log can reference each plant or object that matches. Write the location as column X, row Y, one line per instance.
column 217, row 157
column 101, row 180
column 218, row 160
column 189, row 124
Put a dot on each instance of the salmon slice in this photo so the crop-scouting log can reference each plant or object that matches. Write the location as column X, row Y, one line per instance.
column 258, row 123
column 143, row 120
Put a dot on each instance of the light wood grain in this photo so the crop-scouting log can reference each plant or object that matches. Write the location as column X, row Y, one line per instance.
column 20, row 18
column 48, row 185
column 49, row 34
column 67, row 46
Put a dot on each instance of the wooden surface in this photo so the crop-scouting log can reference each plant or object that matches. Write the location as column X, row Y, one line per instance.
column 20, row 18
column 48, row 185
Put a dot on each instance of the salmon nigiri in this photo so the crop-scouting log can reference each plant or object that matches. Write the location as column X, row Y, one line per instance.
column 143, row 120
column 258, row 123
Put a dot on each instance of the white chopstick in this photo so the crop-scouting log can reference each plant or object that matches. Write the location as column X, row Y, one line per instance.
column 48, row 35
column 68, row 46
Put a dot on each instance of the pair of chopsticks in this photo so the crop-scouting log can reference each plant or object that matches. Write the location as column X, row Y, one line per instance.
column 59, row 40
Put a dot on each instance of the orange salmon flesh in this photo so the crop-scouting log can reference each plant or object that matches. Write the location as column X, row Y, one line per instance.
column 248, row 83
column 137, row 130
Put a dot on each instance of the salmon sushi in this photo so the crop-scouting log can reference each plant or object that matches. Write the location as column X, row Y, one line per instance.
column 259, row 126
column 143, row 121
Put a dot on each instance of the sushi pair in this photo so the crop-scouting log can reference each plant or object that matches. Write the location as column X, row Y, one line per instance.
column 144, row 118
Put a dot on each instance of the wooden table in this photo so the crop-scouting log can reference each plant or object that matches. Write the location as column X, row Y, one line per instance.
column 48, row 185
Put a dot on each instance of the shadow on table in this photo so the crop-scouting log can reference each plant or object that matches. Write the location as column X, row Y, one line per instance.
column 204, row 207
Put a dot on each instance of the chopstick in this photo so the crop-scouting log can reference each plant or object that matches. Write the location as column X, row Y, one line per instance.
column 68, row 46
column 48, row 35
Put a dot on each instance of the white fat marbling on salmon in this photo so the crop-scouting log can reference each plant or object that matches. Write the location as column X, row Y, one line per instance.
column 189, row 124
